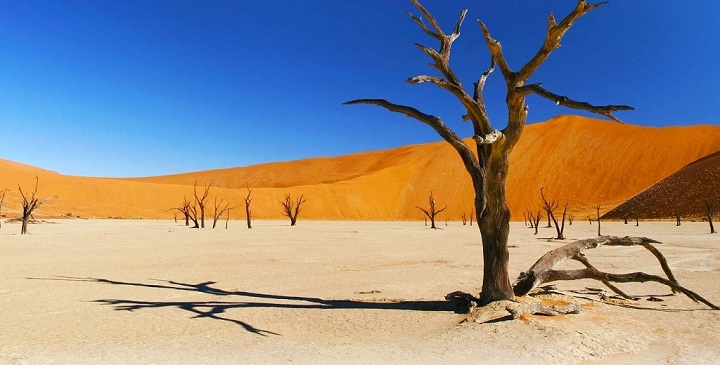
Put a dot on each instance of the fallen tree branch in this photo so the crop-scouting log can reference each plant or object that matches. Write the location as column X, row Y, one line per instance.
column 543, row 271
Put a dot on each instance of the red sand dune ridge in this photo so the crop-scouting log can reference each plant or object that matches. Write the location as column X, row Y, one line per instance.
column 684, row 192
column 583, row 160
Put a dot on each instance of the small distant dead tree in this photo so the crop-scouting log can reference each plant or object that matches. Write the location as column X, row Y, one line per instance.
column 637, row 219
column 221, row 207
column 528, row 215
column 709, row 212
column 571, row 218
column 184, row 209
column 549, row 223
column 550, row 207
column 677, row 217
column 201, row 201
column 625, row 218
column 248, row 200
column 193, row 215
column 2, row 200
column 30, row 203
column 535, row 219
column 292, row 209
column 464, row 218
column 432, row 211
column 597, row 209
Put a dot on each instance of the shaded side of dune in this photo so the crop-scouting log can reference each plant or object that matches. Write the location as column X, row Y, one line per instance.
column 684, row 193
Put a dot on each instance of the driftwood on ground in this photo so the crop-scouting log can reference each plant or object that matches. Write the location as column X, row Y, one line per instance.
column 543, row 271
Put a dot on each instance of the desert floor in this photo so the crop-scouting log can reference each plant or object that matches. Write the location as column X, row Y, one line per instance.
column 142, row 292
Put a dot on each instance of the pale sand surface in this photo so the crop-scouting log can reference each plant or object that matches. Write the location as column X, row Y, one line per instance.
column 144, row 292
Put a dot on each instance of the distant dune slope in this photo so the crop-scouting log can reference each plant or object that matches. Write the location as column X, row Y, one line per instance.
column 583, row 160
column 684, row 192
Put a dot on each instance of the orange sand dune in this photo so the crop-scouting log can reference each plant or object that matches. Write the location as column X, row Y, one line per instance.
column 584, row 160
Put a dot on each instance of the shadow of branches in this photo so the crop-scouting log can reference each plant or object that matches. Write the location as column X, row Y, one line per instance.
column 215, row 309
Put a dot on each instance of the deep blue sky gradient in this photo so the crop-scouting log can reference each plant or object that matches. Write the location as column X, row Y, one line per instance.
column 151, row 87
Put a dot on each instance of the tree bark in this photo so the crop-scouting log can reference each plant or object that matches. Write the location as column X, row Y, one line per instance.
column 494, row 228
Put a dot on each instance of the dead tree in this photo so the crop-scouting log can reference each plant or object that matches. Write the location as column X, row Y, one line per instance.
column 550, row 210
column 709, row 212
column 571, row 218
column 292, row 209
column 220, row 207
column 544, row 270
column 248, row 200
column 535, row 219
column 637, row 219
column 488, row 167
column 185, row 210
column 677, row 217
column 432, row 211
column 2, row 201
column 30, row 203
column 597, row 209
column 193, row 215
column 464, row 218
column 528, row 215
column 200, row 201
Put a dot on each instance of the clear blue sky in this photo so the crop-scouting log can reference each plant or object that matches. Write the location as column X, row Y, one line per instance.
column 151, row 87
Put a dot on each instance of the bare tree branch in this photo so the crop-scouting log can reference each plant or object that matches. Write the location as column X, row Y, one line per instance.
column 554, row 34
column 435, row 122
column 497, row 54
column 605, row 110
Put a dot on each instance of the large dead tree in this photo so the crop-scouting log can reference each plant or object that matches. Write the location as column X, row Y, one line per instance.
column 292, row 209
column 248, row 200
column 488, row 166
column 432, row 211
column 550, row 207
column 200, row 201
column 30, row 203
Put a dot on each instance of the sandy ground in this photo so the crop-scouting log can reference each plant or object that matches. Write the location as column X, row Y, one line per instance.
column 155, row 292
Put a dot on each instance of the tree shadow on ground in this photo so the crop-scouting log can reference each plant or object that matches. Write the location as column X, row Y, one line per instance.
column 213, row 309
